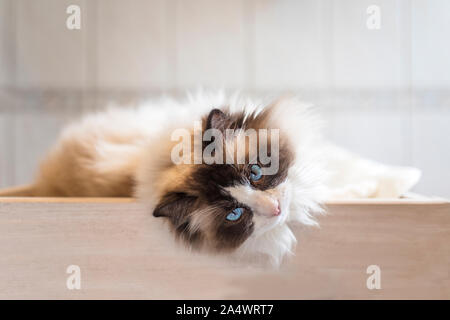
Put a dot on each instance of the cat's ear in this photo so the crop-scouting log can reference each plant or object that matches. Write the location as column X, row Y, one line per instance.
column 217, row 119
column 175, row 206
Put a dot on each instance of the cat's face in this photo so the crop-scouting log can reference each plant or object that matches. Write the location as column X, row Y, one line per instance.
column 220, row 206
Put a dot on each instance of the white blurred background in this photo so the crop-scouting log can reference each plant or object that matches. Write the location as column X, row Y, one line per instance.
column 384, row 92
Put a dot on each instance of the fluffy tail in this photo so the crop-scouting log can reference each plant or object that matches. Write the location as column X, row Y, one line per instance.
column 21, row 191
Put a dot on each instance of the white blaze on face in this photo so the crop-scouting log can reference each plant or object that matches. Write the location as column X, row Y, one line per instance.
column 270, row 207
column 262, row 203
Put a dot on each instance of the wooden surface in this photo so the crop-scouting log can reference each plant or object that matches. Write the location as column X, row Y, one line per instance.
column 123, row 252
column 24, row 194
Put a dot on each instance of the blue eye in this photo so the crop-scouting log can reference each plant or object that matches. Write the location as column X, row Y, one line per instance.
column 256, row 172
column 235, row 214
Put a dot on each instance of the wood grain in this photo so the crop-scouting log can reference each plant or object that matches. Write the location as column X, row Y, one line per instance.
column 124, row 252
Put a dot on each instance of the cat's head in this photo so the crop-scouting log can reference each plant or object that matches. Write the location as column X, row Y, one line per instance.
column 230, row 205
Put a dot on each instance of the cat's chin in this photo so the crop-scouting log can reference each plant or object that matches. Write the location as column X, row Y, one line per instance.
column 264, row 224
column 274, row 241
column 270, row 247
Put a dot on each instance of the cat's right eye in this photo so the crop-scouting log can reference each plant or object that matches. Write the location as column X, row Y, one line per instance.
column 255, row 173
column 235, row 214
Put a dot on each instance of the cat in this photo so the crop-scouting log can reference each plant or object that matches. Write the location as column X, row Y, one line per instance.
column 215, row 207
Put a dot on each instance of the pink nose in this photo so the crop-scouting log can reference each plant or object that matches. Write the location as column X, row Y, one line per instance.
column 268, row 206
column 276, row 209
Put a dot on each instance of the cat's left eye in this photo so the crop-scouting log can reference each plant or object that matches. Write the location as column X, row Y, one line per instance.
column 255, row 172
column 235, row 214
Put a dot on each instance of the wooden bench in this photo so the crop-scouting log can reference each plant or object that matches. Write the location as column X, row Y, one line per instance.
column 119, row 258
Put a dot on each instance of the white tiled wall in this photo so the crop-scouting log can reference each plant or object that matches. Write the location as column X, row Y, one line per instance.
column 6, row 43
column 431, row 144
column 385, row 93
column 132, row 44
column 47, row 53
column 375, row 131
column 6, row 174
column 369, row 58
column 430, row 45
column 210, row 43
column 290, row 42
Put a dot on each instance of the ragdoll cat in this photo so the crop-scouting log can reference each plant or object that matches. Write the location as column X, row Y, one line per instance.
column 219, row 207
